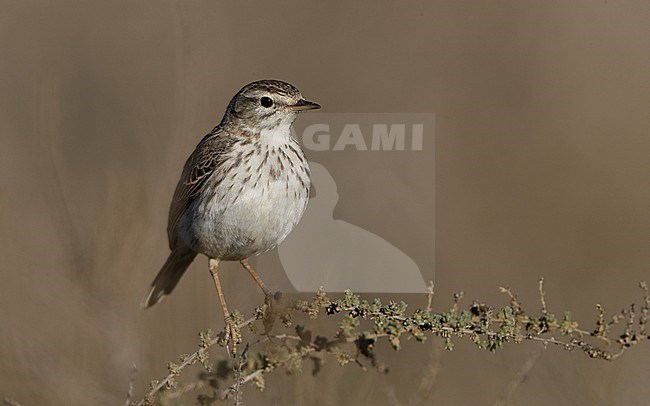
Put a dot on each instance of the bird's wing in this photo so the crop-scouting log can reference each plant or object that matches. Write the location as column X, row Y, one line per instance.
column 198, row 169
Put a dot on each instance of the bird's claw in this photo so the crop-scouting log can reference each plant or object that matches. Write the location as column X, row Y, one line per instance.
column 270, row 299
column 230, row 334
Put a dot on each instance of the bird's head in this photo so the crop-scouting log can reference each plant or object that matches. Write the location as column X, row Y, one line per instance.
column 267, row 104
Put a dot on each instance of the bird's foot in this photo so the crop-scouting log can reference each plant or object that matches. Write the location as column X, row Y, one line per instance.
column 230, row 337
column 271, row 299
column 275, row 308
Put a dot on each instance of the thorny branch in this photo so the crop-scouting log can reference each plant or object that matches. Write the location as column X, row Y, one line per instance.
column 487, row 327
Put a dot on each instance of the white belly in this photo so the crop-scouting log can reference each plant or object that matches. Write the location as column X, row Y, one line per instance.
column 254, row 207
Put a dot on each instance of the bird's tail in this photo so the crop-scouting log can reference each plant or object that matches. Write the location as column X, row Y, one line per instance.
column 175, row 266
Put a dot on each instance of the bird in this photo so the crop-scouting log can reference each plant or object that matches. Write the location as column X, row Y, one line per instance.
column 242, row 190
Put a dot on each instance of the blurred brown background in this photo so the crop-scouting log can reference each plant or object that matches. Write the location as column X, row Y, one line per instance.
column 542, row 163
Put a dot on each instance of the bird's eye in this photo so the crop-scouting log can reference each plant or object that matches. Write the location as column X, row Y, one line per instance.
column 266, row 102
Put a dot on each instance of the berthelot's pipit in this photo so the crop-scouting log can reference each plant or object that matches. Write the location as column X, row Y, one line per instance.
column 242, row 190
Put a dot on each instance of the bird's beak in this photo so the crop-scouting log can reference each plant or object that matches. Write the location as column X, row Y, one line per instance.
column 303, row 104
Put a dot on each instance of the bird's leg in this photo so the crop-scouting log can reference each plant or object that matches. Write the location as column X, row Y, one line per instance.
column 249, row 268
column 232, row 331
column 273, row 305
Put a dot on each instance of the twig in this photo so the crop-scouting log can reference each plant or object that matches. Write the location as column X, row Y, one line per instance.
column 430, row 297
column 224, row 394
column 191, row 359
column 391, row 397
column 487, row 327
column 242, row 358
column 429, row 375
column 519, row 377
column 542, row 296
column 129, row 393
